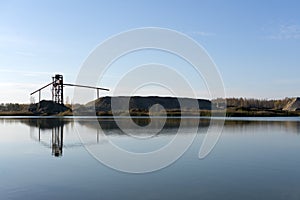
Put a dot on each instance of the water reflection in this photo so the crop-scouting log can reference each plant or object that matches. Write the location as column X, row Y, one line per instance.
column 56, row 125
column 109, row 124
column 286, row 124
column 44, row 129
column 240, row 126
column 46, row 123
column 96, row 128
column 57, row 140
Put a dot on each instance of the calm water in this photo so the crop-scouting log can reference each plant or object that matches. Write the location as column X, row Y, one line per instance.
column 257, row 158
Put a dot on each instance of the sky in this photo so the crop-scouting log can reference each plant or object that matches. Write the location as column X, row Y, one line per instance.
column 254, row 44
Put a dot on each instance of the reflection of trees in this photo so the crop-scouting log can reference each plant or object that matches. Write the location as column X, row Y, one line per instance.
column 240, row 126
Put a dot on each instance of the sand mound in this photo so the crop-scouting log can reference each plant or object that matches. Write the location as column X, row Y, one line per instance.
column 293, row 105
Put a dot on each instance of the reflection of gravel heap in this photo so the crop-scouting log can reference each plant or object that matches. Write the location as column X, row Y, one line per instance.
column 47, row 108
column 293, row 105
column 46, row 123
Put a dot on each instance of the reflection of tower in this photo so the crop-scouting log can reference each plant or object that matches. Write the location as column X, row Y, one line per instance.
column 57, row 140
column 57, row 89
column 52, row 130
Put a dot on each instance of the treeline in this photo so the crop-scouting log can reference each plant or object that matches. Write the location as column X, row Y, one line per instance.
column 252, row 103
column 8, row 107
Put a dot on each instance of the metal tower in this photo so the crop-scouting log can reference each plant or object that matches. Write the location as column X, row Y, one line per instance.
column 57, row 89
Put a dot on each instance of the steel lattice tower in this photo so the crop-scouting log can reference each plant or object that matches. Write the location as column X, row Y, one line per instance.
column 57, row 89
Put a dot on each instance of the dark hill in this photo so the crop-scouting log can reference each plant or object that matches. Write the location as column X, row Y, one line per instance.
column 138, row 103
column 47, row 108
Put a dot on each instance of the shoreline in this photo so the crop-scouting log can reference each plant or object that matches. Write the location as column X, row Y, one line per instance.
column 204, row 113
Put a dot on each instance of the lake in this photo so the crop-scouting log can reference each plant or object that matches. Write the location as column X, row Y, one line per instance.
column 44, row 158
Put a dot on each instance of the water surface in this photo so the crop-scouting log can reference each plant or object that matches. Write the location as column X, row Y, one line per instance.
column 255, row 158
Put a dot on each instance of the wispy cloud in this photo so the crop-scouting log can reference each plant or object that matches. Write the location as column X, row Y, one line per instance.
column 25, row 53
column 25, row 72
column 13, row 92
column 289, row 81
column 10, row 39
column 20, row 86
column 286, row 32
column 202, row 33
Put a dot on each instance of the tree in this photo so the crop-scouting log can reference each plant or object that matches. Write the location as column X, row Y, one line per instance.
column 67, row 100
column 32, row 100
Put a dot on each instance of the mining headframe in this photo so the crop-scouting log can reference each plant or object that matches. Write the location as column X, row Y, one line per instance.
column 58, row 88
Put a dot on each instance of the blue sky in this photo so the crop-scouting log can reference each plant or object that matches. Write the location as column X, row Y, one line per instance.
column 255, row 44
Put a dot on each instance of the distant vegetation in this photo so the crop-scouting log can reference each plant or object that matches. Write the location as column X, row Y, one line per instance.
column 245, row 103
column 13, row 107
column 239, row 107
